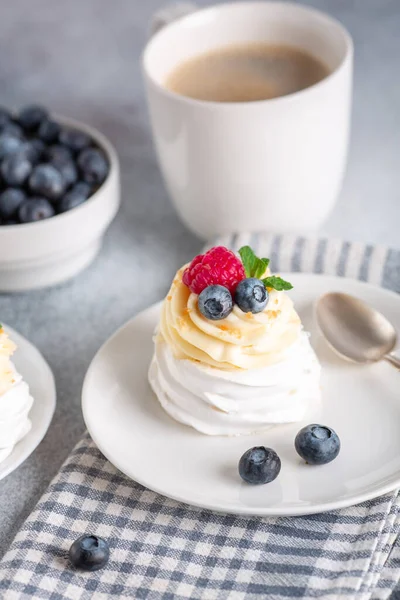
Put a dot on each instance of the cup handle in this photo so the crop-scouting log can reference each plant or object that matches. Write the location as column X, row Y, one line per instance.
column 170, row 13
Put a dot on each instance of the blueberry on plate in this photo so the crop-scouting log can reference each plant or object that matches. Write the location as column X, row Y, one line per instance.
column 9, row 144
column 15, row 169
column 215, row 302
column 48, row 131
column 67, row 169
column 74, row 139
column 35, row 209
column 93, row 165
column 10, row 222
column 259, row 465
column 74, row 197
column 31, row 116
column 46, row 180
column 10, row 201
column 89, row 553
column 57, row 152
column 251, row 295
column 317, row 444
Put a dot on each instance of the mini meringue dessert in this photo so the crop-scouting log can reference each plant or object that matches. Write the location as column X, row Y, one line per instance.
column 15, row 399
column 231, row 356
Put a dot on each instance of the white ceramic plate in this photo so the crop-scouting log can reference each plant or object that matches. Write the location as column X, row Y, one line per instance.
column 38, row 375
column 362, row 403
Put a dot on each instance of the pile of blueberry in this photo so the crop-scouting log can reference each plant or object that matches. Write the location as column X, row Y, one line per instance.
column 316, row 444
column 45, row 168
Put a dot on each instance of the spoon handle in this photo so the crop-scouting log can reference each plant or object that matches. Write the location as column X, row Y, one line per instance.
column 392, row 359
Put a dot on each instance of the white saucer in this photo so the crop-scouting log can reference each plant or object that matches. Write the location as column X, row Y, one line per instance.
column 38, row 375
column 362, row 403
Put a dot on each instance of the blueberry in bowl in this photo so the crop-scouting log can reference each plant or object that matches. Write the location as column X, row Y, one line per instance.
column 5, row 116
column 9, row 144
column 47, row 180
column 68, row 171
column 59, row 192
column 49, row 131
column 35, row 209
column 93, row 165
column 30, row 117
column 74, row 197
column 74, row 139
column 57, row 153
column 10, row 201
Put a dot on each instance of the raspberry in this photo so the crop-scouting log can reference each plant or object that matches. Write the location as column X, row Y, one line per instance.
column 218, row 266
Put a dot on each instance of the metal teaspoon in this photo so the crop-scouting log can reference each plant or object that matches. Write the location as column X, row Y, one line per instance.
column 355, row 330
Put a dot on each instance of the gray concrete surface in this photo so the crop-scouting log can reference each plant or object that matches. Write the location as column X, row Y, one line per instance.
column 82, row 59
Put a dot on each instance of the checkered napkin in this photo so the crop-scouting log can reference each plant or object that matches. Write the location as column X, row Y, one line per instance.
column 161, row 549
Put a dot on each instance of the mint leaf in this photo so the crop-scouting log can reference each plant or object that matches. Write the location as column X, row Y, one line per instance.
column 277, row 283
column 262, row 267
column 253, row 266
column 248, row 259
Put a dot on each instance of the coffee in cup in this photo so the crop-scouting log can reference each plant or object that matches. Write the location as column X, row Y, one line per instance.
column 246, row 73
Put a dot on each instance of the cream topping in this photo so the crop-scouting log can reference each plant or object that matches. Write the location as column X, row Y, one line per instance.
column 241, row 341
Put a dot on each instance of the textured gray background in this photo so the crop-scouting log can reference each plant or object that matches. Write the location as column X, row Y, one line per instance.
column 82, row 59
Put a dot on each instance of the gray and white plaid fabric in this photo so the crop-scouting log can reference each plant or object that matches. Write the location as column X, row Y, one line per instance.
column 163, row 550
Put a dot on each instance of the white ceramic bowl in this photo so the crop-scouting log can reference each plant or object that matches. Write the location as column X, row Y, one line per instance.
column 34, row 255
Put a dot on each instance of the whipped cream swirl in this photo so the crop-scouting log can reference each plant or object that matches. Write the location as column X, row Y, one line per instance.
column 236, row 375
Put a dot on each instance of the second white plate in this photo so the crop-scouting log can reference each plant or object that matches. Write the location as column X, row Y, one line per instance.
column 362, row 403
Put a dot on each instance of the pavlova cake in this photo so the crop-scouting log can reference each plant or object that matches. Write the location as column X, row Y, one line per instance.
column 15, row 399
column 231, row 356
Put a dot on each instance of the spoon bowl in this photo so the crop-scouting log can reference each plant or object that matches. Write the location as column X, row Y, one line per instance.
column 355, row 330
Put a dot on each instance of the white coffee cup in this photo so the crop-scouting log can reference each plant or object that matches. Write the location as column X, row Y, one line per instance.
column 268, row 165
